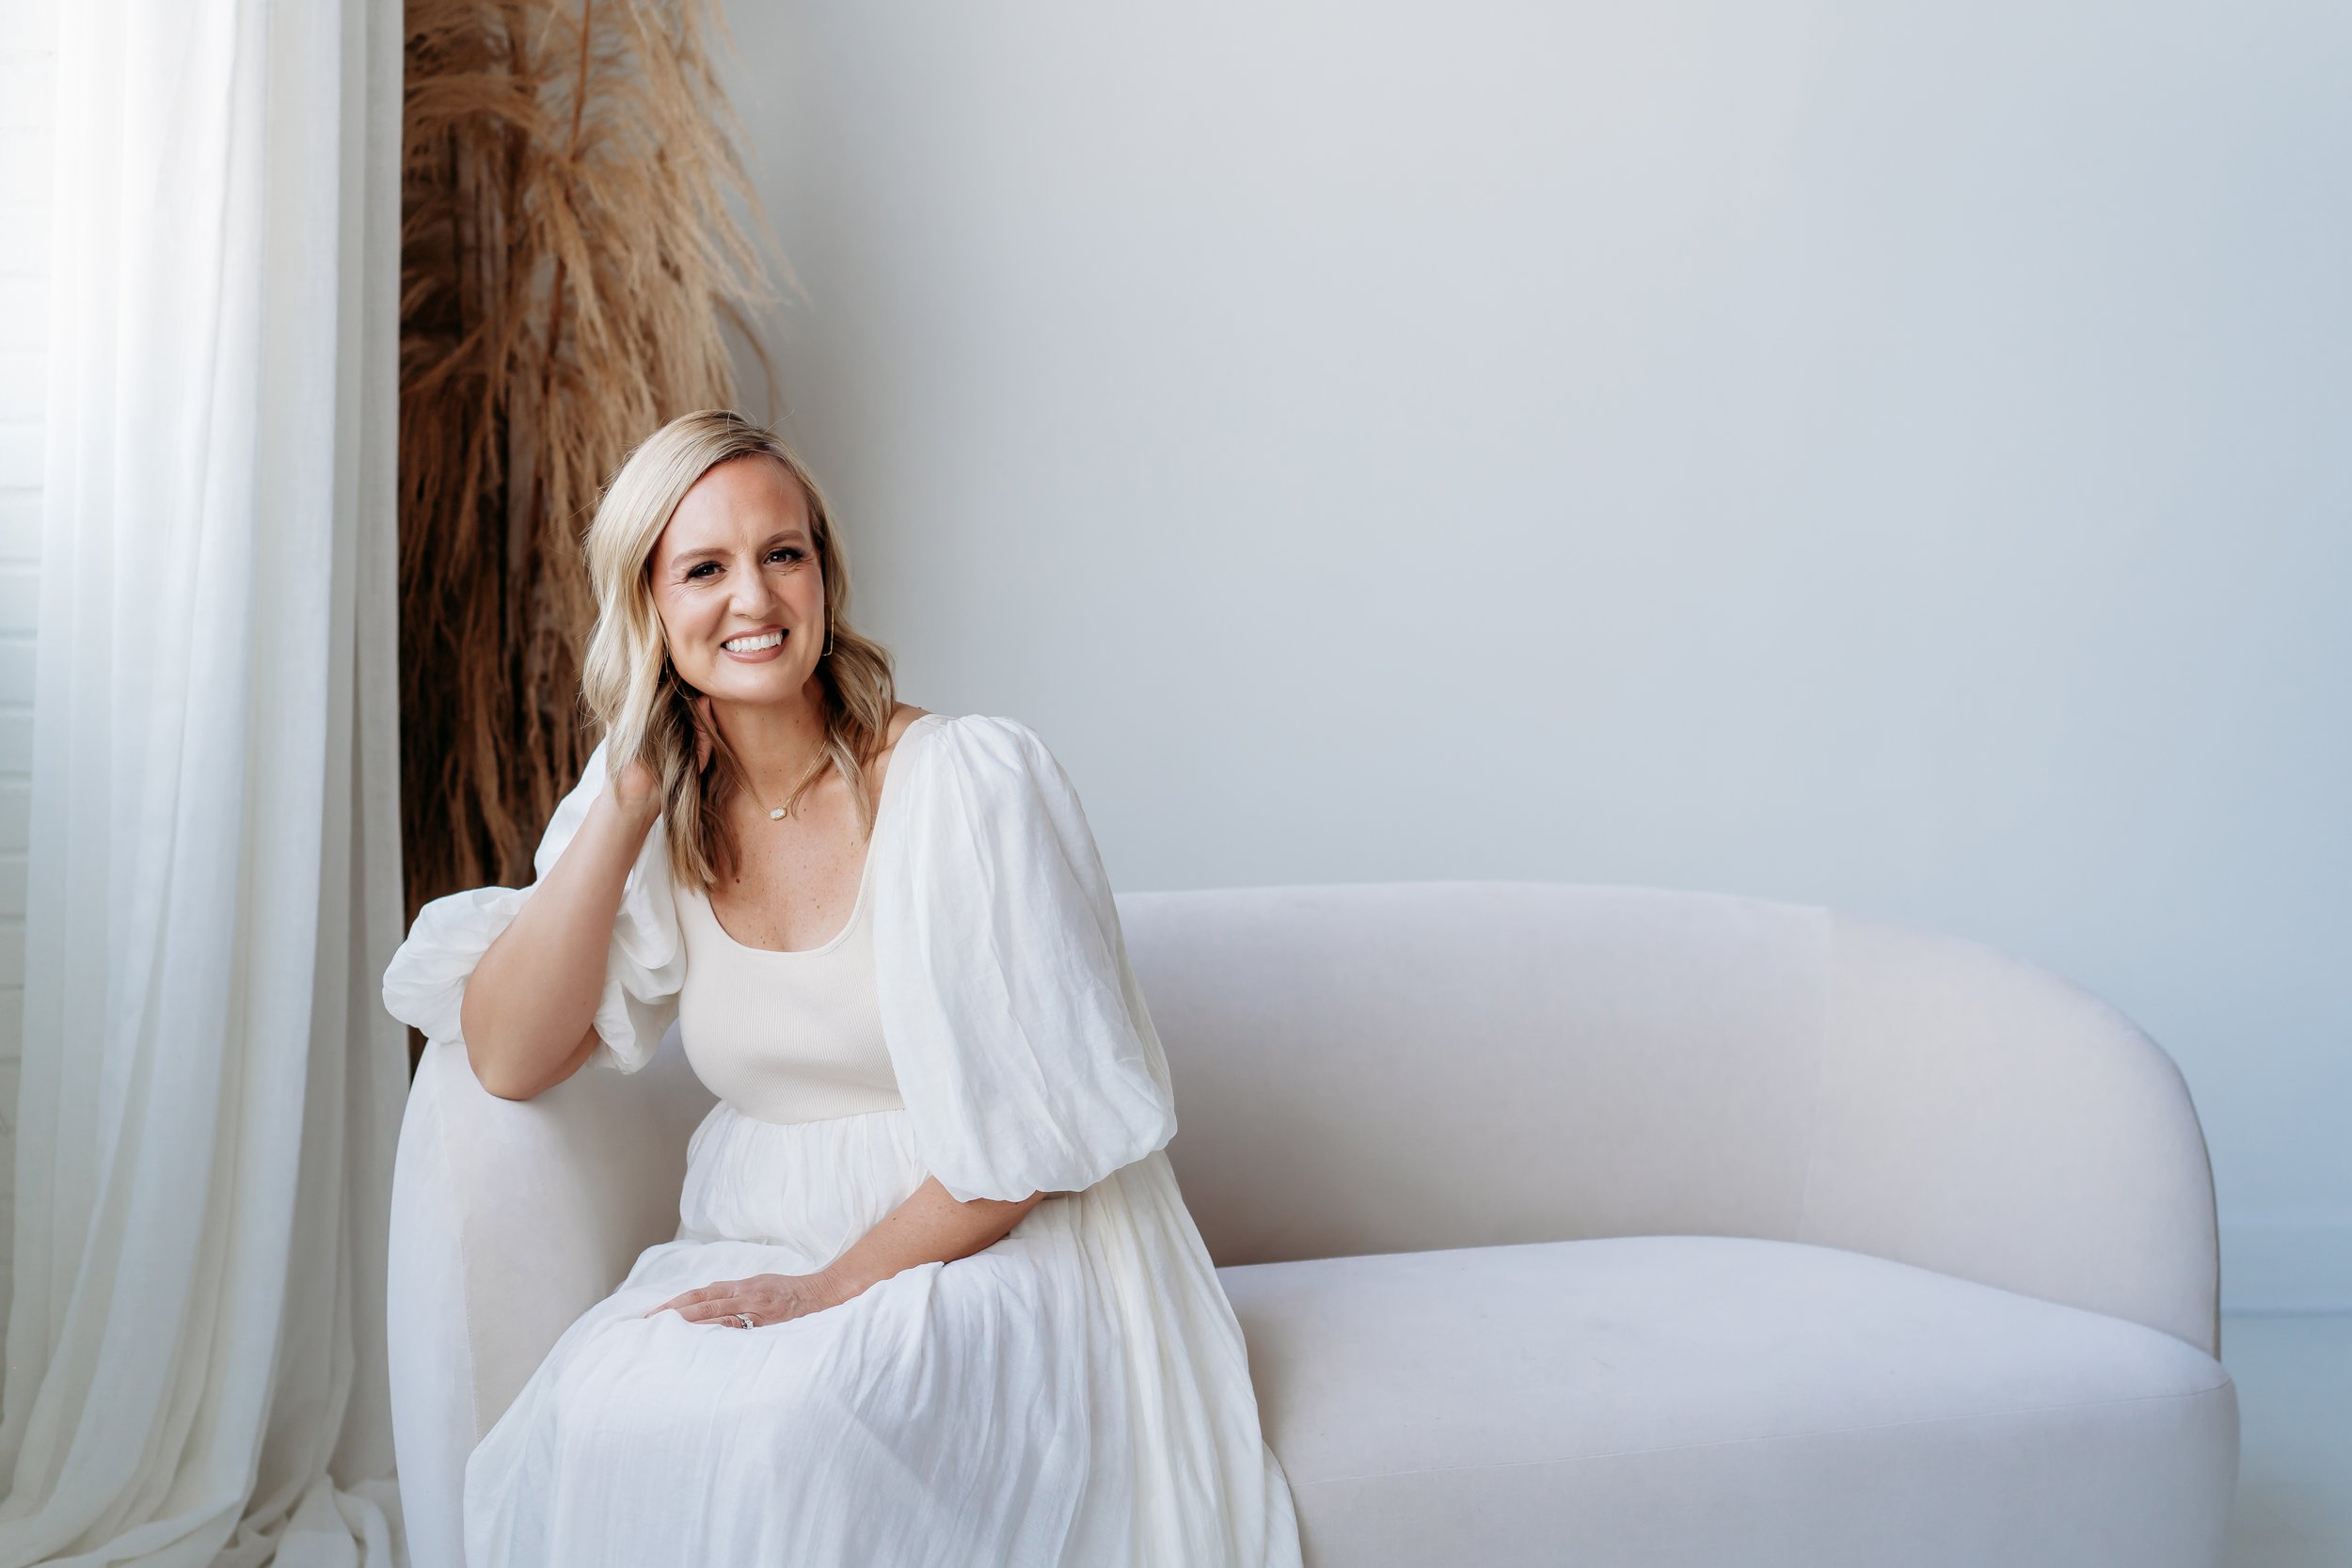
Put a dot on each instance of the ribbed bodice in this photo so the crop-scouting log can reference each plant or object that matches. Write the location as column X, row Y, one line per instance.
column 784, row 1037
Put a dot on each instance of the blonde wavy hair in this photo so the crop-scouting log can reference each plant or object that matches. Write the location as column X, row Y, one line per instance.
column 632, row 690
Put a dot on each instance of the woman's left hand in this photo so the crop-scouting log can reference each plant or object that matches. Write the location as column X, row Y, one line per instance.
column 770, row 1298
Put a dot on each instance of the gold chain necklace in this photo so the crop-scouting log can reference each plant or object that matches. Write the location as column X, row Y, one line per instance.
column 775, row 814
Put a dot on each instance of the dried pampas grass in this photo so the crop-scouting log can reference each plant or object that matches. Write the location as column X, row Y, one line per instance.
column 573, row 244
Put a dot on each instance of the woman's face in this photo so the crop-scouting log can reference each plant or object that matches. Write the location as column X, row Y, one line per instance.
column 736, row 580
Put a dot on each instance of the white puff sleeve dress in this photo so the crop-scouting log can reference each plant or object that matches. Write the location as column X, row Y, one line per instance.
column 1078, row 1393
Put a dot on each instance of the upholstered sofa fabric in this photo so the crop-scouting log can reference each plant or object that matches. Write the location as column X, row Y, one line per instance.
column 1567, row 1225
column 1719, row 1400
column 1394, row 1066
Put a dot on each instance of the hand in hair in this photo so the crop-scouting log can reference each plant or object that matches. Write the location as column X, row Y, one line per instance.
column 637, row 787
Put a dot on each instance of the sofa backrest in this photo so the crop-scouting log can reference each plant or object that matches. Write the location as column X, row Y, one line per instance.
column 1384, row 1068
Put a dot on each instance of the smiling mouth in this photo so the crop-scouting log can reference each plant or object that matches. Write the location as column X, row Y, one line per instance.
column 754, row 643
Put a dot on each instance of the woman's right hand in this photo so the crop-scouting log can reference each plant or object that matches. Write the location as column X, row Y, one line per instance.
column 636, row 791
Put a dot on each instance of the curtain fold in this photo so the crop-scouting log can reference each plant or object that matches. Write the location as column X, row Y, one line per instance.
column 210, row 1093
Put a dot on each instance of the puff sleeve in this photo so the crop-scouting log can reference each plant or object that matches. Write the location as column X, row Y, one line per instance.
column 1023, row 1048
column 425, row 983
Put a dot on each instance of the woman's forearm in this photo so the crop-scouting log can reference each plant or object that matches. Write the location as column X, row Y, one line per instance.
column 529, row 1005
column 930, row 1227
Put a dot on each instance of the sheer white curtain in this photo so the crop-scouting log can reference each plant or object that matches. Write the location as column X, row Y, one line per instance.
column 210, row 1088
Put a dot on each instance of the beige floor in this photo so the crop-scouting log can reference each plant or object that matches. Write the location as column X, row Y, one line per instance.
column 2294, row 1376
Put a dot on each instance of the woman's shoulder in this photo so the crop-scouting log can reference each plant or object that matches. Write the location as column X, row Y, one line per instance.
column 973, row 735
column 997, row 763
column 902, row 719
column 970, row 729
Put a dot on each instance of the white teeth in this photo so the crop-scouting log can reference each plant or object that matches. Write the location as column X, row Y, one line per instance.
column 753, row 645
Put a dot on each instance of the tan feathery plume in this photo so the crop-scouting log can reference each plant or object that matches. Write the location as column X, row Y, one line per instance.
column 573, row 247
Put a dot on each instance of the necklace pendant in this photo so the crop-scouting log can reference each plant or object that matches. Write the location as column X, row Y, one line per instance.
column 777, row 814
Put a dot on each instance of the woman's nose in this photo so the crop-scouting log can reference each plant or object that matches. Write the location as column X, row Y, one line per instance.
column 753, row 596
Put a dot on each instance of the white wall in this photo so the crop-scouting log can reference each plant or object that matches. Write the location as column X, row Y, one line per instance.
column 1894, row 457
column 27, row 51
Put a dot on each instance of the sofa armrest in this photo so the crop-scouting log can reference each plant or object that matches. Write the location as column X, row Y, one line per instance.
column 1977, row 1116
column 509, row 1219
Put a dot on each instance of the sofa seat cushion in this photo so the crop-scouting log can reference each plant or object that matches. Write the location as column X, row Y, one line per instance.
column 1725, row 1400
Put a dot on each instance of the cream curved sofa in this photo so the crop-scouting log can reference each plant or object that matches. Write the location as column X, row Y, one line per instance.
column 1568, row 1225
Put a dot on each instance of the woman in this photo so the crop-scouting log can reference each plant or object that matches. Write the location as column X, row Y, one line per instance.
column 934, row 1296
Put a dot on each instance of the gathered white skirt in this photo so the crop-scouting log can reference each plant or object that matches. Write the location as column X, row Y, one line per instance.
column 1078, row 1393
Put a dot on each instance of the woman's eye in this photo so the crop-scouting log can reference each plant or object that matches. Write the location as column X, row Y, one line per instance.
column 704, row 568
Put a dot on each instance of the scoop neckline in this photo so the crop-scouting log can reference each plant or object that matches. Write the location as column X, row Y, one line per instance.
column 865, row 875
